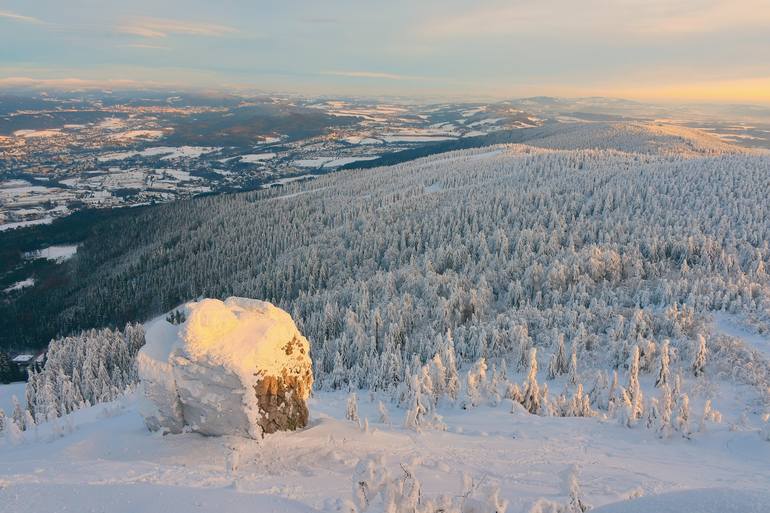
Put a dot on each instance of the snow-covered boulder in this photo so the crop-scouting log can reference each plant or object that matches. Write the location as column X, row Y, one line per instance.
column 238, row 367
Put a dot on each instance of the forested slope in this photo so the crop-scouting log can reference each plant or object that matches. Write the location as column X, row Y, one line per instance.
column 504, row 247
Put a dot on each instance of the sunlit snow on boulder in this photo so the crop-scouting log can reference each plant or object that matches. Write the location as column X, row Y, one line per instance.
column 238, row 367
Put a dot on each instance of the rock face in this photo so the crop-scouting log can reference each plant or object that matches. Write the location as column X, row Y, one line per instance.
column 238, row 367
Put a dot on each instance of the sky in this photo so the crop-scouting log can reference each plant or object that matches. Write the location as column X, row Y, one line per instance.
column 661, row 50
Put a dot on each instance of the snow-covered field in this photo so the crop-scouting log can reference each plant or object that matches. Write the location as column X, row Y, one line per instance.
column 110, row 462
column 21, row 224
column 28, row 282
column 165, row 152
column 56, row 254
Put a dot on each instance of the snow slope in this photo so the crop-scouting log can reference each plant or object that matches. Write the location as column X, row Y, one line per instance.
column 651, row 138
column 110, row 462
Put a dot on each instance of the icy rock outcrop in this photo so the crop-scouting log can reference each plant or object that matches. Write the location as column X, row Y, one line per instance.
column 238, row 367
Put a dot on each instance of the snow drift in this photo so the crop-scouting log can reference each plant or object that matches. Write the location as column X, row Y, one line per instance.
column 238, row 367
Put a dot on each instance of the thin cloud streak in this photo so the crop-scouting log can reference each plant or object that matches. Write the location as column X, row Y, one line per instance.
column 369, row 74
column 20, row 17
column 156, row 28
column 143, row 46
column 632, row 17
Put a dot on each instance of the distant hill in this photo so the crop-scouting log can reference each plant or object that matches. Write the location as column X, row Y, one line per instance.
column 637, row 137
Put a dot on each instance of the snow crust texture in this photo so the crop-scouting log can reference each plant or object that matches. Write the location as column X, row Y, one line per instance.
column 239, row 367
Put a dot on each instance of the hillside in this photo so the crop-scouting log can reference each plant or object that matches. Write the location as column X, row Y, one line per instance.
column 518, row 325
column 485, row 225
column 634, row 137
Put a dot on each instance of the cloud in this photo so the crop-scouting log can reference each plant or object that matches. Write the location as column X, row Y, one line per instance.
column 20, row 17
column 369, row 74
column 154, row 28
column 143, row 46
column 319, row 20
column 643, row 18
column 66, row 83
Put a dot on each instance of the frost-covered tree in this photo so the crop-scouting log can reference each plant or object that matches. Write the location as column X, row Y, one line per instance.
column 576, row 503
column 382, row 410
column 652, row 414
column 665, row 423
column 351, row 413
column 92, row 367
column 683, row 415
column 18, row 416
column 709, row 415
column 531, row 396
column 634, row 390
column 561, row 363
column 573, row 367
column 663, row 368
column 699, row 364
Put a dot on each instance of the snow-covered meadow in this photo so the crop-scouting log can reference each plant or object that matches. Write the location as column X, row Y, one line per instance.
column 106, row 460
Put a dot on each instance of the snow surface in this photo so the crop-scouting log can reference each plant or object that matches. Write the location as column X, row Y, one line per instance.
column 257, row 157
column 719, row 500
column 202, row 373
column 22, row 224
column 110, row 462
column 415, row 138
column 56, row 254
column 731, row 325
column 6, row 398
column 20, row 285
column 164, row 152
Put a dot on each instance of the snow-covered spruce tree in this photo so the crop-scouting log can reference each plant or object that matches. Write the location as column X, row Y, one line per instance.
column 663, row 369
column 699, row 364
column 665, row 421
column 13, row 432
column 17, row 416
column 599, row 394
column 573, row 367
column 513, row 392
column 531, row 396
column 652, row 414
column 351, row 413
column 613, row 395
column 625, row 409
column 709, row 415
column 634, row 390
column 3, row 421
column 561, row 363
column 382, row 410
column 418, row 407
column 576, row 503
column 683, row 416
column 579, row 404
column 553, row 369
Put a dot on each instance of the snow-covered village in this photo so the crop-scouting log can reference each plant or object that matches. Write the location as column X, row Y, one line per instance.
column 369, row 290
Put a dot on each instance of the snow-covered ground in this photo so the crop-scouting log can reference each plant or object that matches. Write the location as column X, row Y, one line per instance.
column 6, row 396
column 110, row 462
column 28, row 282
column 22, row 224
column 732, row 326
column 165, row 152
column 56, row 254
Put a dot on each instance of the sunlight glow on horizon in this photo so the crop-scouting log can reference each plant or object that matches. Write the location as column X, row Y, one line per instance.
column 658, row 50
